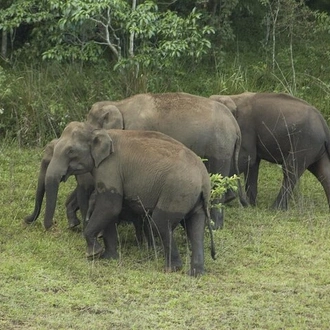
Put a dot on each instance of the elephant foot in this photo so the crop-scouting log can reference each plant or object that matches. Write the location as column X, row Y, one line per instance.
column 244, row 202
column 217, row 226
column 175, row 266
column 94, row 251
column 172, row 269
column 280, row 206
column 29, row 219
column 109, row 255
column 73, row 223
column 195, row 272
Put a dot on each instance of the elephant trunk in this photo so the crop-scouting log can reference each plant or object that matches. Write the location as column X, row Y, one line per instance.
column 52, row 182
column 40, row 192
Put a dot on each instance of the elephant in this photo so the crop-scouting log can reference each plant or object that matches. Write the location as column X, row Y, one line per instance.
column 79, row 199
column 205, row 126
column 281, row 129
column 143, row 170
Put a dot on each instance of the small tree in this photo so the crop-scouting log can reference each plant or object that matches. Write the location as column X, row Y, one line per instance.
column 288, row 20
column 220, row 185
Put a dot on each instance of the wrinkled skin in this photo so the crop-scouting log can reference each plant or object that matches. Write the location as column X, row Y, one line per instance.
column 143, row 171
column 205, row 126
column 79, row 199
column 280, row 129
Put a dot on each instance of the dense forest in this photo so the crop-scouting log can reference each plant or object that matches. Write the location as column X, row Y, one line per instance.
column 58, row 58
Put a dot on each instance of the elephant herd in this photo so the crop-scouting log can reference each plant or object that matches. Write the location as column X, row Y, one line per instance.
column 142, row 156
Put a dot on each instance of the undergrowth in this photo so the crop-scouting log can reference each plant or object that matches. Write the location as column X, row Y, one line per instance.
column 38, row 100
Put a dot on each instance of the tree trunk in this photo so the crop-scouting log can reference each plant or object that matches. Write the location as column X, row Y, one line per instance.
column 4, row 44
column 132, row 35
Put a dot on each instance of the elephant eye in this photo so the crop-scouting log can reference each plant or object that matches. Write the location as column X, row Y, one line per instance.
column 70, row 152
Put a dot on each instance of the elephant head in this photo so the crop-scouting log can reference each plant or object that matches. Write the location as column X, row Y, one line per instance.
column 227, row 101
column 80, row 148
column 105, row 115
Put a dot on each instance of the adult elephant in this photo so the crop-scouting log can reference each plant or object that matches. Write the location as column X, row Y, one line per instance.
column 282, row 129
column 140, row 169
column 77, row 199
column 80, row 199
column 205, row 126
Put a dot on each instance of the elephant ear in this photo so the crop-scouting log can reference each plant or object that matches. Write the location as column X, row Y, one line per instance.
column 102, row 146
column 227, row 101
column 112, row 118
column 49, row 150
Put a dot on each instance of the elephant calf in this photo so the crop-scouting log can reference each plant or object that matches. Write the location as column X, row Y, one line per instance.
column 143, row 170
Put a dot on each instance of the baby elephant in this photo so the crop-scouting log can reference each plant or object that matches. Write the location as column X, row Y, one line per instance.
column 141, row 170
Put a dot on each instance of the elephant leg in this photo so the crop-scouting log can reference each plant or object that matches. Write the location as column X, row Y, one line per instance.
column 109, row 234
column 291, row 174
column 142, row 229
column 110, row 239
column 72, row 207
column 223, row 167
column 217, row 214
column 321, row 170
column 251, row 182
column 147, row 230
column 164, row 227
column 195, row 227
column 91, row 207
column 85, row 189
column 230, row 195
column 104, row 218
column 138, row 223
column 83, row 196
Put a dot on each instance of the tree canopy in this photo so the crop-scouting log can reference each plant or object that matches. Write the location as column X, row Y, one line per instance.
column 144, row 33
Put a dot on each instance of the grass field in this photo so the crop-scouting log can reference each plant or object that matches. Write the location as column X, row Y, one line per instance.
column 272, row 268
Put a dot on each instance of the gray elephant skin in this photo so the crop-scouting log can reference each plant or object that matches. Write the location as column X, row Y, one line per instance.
column 143, row 170
column 205, row 126
column 77, row 199
column 281, row 129
column 80, row 199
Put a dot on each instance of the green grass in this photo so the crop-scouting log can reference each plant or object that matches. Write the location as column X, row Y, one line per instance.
column 271, row 272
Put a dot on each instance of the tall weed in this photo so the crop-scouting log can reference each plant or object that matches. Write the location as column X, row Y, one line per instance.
column 41, row 100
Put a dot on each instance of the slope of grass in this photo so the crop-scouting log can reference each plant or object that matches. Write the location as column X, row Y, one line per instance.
column 271, row 272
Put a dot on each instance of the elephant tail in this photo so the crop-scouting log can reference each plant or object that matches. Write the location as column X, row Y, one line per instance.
column 241, row 194
column 213, row 253
column 326, row 132
column 209, row 227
